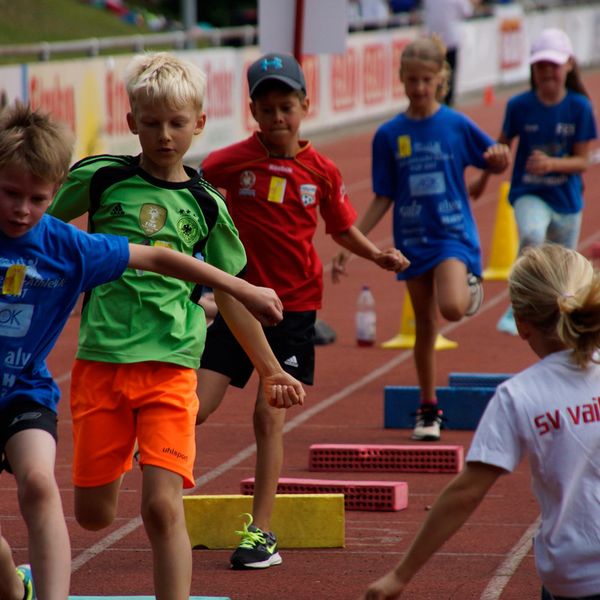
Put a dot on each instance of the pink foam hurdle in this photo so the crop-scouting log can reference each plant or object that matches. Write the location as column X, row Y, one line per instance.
column 358, row 495
column 413, row 458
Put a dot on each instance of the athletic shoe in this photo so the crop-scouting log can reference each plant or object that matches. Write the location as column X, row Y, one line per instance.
column 428, row 423
column 257, row 550
column 476, row 290
column 507, row 324
column 24, row 573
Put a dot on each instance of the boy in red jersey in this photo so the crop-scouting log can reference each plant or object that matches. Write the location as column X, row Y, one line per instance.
column 275, row 184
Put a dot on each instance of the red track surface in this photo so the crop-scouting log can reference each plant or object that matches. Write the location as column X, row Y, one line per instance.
column 486, row 560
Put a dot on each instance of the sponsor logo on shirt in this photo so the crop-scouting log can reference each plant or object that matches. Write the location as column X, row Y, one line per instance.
column 117, row 210
column 280, row 168
column 292, row 361
column 16, row 359
column 247, row 181
column 15, row 319
column 426, row 184
column 565, row 129
column 21, row 275
column 308, row 194
column 152, row 218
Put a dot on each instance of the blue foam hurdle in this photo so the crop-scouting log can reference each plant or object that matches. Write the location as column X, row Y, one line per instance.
column 462, row 406
column 477, row 379
column 142, row 598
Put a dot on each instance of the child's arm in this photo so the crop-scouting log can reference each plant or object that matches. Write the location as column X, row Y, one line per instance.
column 539, row 163
column 375, row 211
column 450, row 511
column 263, row 303
column 279, row 387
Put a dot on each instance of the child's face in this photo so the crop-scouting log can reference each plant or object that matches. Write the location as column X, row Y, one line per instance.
column 550, row 78
column 279, row 114
column 421, row 81
column 165, row 134
column 24, row 199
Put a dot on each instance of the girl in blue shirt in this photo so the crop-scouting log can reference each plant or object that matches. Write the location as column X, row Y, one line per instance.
column 554, row 122
column 419, row 158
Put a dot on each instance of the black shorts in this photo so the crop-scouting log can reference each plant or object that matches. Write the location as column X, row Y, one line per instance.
column 292, row 342
column 22, row 415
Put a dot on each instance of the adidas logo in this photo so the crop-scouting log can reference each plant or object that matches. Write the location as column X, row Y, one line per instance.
column 117, row 210
column 292, row 361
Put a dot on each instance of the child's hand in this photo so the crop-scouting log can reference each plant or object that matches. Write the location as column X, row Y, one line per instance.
column 387, row 587
column 498, row 157
column 282, row 390
column 392, row 260
column 539, row 163
column 338, row 266
column 264, row 304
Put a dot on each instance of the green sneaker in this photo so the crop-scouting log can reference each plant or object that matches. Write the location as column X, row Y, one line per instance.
column 257, row 550
column 24, row 573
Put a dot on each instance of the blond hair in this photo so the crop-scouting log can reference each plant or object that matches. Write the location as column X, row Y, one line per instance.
column 557, row 290
column 431, row 50
column 165, row 78
column 32, row 140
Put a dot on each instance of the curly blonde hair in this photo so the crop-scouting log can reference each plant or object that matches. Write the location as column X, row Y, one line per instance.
column 557, row 290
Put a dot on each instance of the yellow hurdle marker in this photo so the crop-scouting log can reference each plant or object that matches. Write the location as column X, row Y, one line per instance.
column 505, row 240
column 299, row 520
column 406, row 337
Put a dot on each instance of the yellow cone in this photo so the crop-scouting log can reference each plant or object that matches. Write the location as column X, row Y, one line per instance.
column 505, row 241
column 406, row 336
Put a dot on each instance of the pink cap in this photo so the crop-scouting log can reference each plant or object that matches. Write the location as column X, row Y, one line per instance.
column 552, row 45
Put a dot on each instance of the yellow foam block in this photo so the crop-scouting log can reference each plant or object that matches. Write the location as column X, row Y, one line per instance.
column 299, row 520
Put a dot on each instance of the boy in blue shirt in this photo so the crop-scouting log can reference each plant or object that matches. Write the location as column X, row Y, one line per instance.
column 44, row 266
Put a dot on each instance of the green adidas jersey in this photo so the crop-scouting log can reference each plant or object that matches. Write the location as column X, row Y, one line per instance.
column 144, row 316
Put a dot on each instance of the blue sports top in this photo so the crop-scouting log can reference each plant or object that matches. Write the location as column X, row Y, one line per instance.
column 553, row 130
column 59, row 262
column 419, row 164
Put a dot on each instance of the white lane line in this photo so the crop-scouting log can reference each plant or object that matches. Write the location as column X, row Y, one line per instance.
column 510, row 564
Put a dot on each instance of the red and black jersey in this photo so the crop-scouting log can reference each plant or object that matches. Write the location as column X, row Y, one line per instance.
column 273, row 202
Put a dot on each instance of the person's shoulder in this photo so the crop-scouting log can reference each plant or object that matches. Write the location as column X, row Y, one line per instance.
column 579, row 99
column 233, row 154
column 526, row 97
column 97, row 161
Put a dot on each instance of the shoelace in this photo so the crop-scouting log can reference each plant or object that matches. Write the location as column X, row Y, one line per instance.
column 250, row 539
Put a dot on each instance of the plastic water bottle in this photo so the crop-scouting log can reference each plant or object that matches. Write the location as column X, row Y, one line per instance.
column 366, row 319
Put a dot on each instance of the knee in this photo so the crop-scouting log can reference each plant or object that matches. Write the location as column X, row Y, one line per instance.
column 268, row 421
column 94, row 518
column 36, row 489
column 452, row 312
column 160, row 513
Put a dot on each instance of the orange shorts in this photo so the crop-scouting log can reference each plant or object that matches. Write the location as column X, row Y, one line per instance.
column 113, row 404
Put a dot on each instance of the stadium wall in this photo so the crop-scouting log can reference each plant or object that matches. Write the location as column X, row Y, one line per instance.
column 362, row 84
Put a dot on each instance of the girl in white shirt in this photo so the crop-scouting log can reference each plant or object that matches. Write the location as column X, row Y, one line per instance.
column 550, row 412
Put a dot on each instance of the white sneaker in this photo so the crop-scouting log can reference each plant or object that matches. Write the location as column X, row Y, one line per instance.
column 476, row 290
column 428, row 423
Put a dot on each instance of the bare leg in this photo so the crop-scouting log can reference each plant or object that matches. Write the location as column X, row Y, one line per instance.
column 11, row 587
column 452, row 289
column 164, row 520
column 268, row 429
column 31, row 454
column 422, row 295
column 211, row 391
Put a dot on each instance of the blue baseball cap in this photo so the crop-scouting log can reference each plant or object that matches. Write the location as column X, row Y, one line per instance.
column 282, row 67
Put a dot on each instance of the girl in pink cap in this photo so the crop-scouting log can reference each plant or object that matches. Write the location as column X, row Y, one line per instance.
column 554, row 122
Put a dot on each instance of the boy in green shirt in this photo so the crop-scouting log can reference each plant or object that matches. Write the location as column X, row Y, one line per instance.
column 141, row 336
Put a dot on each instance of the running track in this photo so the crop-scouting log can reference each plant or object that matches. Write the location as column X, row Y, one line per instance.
column 489, row 559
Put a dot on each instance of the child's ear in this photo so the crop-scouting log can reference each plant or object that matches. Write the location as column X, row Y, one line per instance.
column 131, row 123
column 305, row 105
column 200, row 123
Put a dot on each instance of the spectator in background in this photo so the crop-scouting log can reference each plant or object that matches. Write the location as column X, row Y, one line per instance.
column 443, row 17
